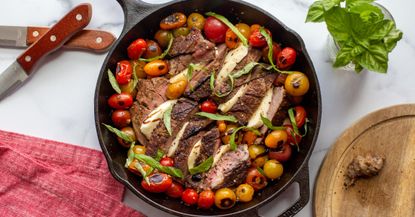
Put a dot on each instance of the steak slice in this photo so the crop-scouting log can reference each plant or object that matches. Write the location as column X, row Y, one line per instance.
column 182, row 153
column 180, row 63
column 230, row 170
column 150, row 94
column 193, row 43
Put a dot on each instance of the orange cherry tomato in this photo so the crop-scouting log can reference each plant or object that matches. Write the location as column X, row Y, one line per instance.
column 156, row 68
column 231, row 39
column 173, row 21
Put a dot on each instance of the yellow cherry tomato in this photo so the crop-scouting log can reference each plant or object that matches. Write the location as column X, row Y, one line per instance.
column 156, row 68
column 196, row 20
column 138, row 68
column 228, row 132
column 221, row 126
column 139, row 149
column 255, row 151
column 297, row 84
column 244, row 192
column 225, row 198
column 244, row 29
column 276, row 138
column 260, row 161
column 273, row 169
column 175, row 90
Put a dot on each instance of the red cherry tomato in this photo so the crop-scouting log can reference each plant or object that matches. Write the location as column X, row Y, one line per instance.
column 209, row 106
column 123, row 72
column 290, row 132
column 257, row 39
column 121, row 118
column 175, row 190
column 300, row 116
column 159, row 182
column 136, row 49
column 167, row 161
column 282, row 155
column 120, row 101
column 215, row 30
column 206, row 199
column 190, row 196
column 256, row 179
column 286, row 58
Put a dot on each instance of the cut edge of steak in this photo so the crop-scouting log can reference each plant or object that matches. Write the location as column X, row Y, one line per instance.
column 193, row 43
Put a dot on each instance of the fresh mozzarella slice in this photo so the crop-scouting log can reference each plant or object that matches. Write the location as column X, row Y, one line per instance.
column 255, row 121
column 176, row 140
column 231, row 60
column 151, row 121
column 194, row 153
column 225, row 107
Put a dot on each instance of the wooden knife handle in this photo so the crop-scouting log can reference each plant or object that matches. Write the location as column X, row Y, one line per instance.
column 93, row 40
column 62, row 31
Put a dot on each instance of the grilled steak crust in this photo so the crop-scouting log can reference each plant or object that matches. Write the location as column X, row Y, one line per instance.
column 193, row 43
column 210, row 144
column 180, row 63
column 183, row 151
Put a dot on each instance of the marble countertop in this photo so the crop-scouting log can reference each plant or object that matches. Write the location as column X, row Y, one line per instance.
column 57, row 103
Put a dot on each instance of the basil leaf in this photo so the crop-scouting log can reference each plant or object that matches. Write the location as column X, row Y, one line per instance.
column 135, row 78
column 367, row 12
column 382, row 29
column 119, row 133
column 316, row 12
column 232, row 142
column 204, row 166
column 338, row 24
column 351, row 3
column 230, row 25
column 190, row 69
column 218, row 117
column 212, row 82
column 392, row 38
column 142, row 171
column 260, row 170
column 167, row 119
column 344, row 56
column 295, row 140
column 130, row 155
column 245, row 70
column 374, row 59
column 357, row 67
column 161, row 56
column 270, row 48
column 155, row 164
column 268, row 123
column 329, row 4
column 159, row 155
column 293, row 122
column 113, row 82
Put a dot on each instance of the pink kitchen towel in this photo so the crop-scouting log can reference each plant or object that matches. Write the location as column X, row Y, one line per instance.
column 41, row 177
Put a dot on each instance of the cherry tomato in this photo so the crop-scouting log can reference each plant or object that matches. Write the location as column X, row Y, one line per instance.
column 291, row 139
column 159, row 182
column 256, row 179
column 249, row 138
column 167, row 161
column 173, row 21
column 276, row 49
column 121, row 118
column 120, row 101
column 132, row 167
column 129, row 131
column 255, row 27
column 281, row 155
column 276, row 138
column 182, row 31
column 153, row 49
column 175, row 190
column 260, row 161
column 136, row 49
column 139, row 149
column 129, row 88
column 244, row 29
column 190, row 196
column 138, row 68
column 300, row 116
column 175, row 90
column 273, row 169
column 257, row 39
column 297, row 84
column 209, row 106
column 286, row 58
column 206, row 199
column 156, row 68
column 123, row 72
column 221, row 126
column 163, row 37
column 256, row 150
column 231, row 39
column 245, row 192
column 195, row 20
column 225, row 198
column 215, row 30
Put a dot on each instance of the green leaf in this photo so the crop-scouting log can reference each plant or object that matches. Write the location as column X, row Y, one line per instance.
column 167, row 119
column 245, row 70
column 113, row 82
column 270, row 48
column 351, row 3
column 374, row 59
column 119, row 133
column 212, row 86
column 161, row 56
column 268, row 123
column 130, row 155
column 357, row 67
column 159, row 155
column 293, row 122
column 230, row 25
column 260, row 170
column 204, row 166
column 155, row 164
column 135, row 78
column 316, row 12
column 367, row 12
column 142, row 171
column 232, row 142
column 343, row 57
column 338, row 24
column 392, row 39
column 218, row 117
column 382, row 29
column 329, row 4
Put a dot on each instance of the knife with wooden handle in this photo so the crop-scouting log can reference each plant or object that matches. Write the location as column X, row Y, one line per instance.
column 54, row 38
column 87, row 39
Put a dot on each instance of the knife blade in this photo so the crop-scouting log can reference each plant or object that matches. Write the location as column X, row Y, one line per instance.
column 87, row 39
column 73, row 22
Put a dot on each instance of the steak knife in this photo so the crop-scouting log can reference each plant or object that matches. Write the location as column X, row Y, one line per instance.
column 92, row 40
column 62, row 31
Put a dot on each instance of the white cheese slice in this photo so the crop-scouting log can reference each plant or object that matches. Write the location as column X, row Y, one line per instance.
column 220, row 152
column 176, row 140
column 231, row 60
column 226, row 106
column 194, row 153
column 151, row 121
column 255, row 121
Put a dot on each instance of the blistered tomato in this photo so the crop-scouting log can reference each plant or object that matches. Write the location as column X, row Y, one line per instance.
column 159, row 182
column 286, row 58
column 120, row 101
column 257, row 39
column 136, row 49
column 175, row 190
column 121, row 118
column 190, row 196
column 206, row 199
column 215, row 30
column 167, row 161
column 123, row 72
column 209, row 106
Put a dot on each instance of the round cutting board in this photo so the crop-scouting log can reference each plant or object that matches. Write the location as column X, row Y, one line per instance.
column 389, row 132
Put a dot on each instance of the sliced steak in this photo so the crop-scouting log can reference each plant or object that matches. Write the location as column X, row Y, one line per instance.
column 150, row 94
column 182, row 153
column 180, row 63
column 230, row 170
column 210, row 144
column 193, row 43
column 254, row 55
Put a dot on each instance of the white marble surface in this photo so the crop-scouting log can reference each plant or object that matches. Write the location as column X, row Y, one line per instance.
column 57, row 103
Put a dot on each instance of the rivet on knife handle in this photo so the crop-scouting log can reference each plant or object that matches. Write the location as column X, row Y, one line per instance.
column 93, row 40
column 71, row 23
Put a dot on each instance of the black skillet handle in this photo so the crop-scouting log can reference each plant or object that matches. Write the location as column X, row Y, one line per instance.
column 135, row 10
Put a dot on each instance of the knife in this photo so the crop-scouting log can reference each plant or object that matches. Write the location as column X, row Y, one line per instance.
column 62, row 31
column 93, row 40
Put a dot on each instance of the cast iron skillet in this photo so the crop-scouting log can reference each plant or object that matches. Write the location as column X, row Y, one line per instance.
column 142, row 20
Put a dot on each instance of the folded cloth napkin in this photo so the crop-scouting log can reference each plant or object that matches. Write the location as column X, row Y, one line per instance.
column 41, row 177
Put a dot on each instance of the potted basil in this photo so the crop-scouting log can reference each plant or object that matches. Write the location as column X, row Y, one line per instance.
column 362, row 33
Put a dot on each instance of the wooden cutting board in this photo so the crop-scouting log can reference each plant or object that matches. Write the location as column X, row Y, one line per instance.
column 389, row 132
